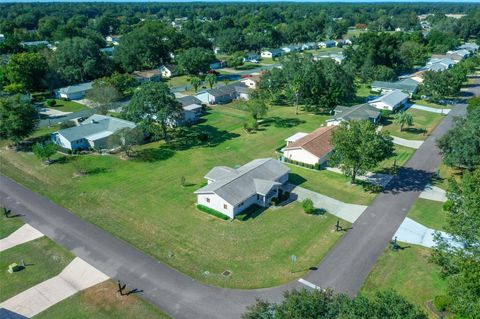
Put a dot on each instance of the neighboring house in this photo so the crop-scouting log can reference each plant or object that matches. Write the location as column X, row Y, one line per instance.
column 338, row 58
column 252, row 81
column 215, row 65
column 217, row 50
column 252, row 57
column 359, row 112
column 224, row 94
column 313, row 149
column 295, row 137
column 390, row 101
column 192, row 109
column 154, row 75
column 309, row 46
column 462, row 53
column 327, row 44
column 471, row 47
column 93, row 133
column 273, row 53
column 291, row 48
column 34, row 43
column 438, row 65
column 73, row 92
column 407, row 85
column 167, row 70
column 2, row 38
column 339, row 42
column 113, row 39
column 108, row 51
column 232, row 190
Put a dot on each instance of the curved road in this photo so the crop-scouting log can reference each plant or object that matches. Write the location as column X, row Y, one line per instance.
column 344, row 268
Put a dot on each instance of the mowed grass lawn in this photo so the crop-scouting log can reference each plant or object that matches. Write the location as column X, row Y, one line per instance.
column 400, row 158
column 431, row 104
column 429, row 213
column 409, row 272
column 68, row 106
column 445, row 173
column 102, row 301
column 44, row 259
column 423, row 124
column 8, row 225
column 144, row 203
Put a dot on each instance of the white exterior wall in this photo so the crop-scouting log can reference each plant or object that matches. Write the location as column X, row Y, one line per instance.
column 72, row 96
column 250, row 83
column 61, row 141
column 247, row 203
column 165, row 73
column 216, row 203
column 266, row 54
column 381, row 106
column 301, row 155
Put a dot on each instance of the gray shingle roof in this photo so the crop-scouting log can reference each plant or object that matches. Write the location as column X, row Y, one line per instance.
column 188, row 100
column 392, row 98
column 229, row 89
column 357, row 112
column 236, row 185
column 404, row 85
column 95, row 124
column 82, row 87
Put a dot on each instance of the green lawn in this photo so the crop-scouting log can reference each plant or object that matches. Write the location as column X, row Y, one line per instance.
column 68, row 106
column 363, row 90
column 179, row 80
column 142, row 201
column 429, row 213
column 9, row 225
column 400, row 158
column 102, row 302
column 353, row 32
column 431, row 104
column 445, row 173
column 423, row 124
column 44, row 260
column 409, row 272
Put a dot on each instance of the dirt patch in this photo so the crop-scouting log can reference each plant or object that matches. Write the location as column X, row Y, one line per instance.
column 105, row 297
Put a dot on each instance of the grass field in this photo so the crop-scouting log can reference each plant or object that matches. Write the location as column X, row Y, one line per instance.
column 431, row 104
column 401, row 157
column 44, row 259
column 142, row 201
column 409, row 272
column 102, row 302
column 423, row 124
column 8, row 225
column 179, row 80
column 429, row 213
column 68, row 106
column 445, row 173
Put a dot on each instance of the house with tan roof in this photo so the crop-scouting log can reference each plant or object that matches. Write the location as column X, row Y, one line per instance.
column 312, row 149
column 145, row 76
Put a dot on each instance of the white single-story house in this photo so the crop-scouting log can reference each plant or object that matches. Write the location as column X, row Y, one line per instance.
column 2, row 38
column 93, row 133
column 252, row 58
column 224, row 94
column 295, row 137
column 309, row 46
column 273, row 53
column 313, row 149
column 327, row 44
column 472, row 47
column 113, row 39
column 73, row 92
column 291, row 48
column 232, row 190
column 340, row 42
column 252, row 81
column 361, row 112
column 154, row 75
column 407, row 85
column 192, row 108
column 390, row 101
column 167, row 71
column 439, row 64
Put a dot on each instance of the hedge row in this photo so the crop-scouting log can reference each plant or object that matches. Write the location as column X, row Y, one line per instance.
column 311, row 166
column 212, row 212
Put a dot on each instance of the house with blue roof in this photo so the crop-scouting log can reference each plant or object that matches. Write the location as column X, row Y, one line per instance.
column 73, row 92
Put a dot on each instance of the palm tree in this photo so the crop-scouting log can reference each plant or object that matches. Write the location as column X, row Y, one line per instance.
column 402, row 118
column 196, row 81
column 210, row 79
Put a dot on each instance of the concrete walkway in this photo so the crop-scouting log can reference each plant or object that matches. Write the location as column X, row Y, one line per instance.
column 408, row 143
column 348, row 212
column 51, row 112
column 434, row 193
column 373, row 178
column 22, row 235
column 430, row 109
column 415, row 233
column 77, row 276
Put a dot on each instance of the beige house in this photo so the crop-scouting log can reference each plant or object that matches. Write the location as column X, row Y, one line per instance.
column 313, row 149
column 252, row 81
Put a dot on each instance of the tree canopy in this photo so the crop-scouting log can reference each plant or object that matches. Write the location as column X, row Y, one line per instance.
column 17, row 118
column 195, row 60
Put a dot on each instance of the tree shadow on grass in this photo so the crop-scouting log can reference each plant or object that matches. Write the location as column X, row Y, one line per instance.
column 282, row 122
column 154, row 154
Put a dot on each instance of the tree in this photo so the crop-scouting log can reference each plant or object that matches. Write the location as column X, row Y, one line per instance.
column 78, row 60
column 18, row 118
column 235, row 60
column 155, row 108
column 210, row 79
column 322, row 304
column 27, row 69
column 358, row 147
column 257, row 108
column 195, row 60
column 403, row 118
column 123, row 82
column 196, row 82
column 461, row 145
column 473, row 103
column 307, row 205
column 459, row 261
column 126, row 138
column 104, row 95
column 44, row 150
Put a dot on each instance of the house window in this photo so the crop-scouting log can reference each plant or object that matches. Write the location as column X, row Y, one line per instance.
column 208, row 200
column 224, row 206
column 258, row 197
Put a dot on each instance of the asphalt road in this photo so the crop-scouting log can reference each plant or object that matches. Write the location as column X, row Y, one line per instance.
column 344, row 268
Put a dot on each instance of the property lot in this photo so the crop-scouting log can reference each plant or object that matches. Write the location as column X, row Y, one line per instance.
column 423, row 124
column 429, row 213
column 68, row 106
column 143, row 201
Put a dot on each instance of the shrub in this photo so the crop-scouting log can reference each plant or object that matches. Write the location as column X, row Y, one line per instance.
column 50, row 103
column 442, row 302
column 447, row 205
column 212, row 212
column 307, row 205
